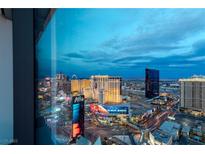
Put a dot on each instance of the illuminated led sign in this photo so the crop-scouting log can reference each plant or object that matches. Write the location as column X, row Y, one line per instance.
column 77, row 116
column 109, row 109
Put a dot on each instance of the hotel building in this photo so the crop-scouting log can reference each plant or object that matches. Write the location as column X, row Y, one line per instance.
column 106, row 89
column 81, row 86
column 102, row 88
column 151, row 83
column 193, row 93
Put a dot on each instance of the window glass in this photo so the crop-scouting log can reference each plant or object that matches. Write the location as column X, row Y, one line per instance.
column 121, row 76
column 6, row 81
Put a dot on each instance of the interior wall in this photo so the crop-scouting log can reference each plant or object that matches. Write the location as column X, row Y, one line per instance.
column 6, row 81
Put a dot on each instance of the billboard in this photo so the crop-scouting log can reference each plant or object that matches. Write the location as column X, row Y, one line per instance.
column 77, row 116
column 117, row 109
column 109, row 109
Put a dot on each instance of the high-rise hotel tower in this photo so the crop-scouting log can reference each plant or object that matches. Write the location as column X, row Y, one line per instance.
column 193, row 93
column 151, row 83
column 81, row 86
column 106, row 89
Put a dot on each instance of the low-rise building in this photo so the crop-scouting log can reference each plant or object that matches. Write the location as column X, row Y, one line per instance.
column 160, row 138
column 83, row 141
column 185, row 130
column 171, row 128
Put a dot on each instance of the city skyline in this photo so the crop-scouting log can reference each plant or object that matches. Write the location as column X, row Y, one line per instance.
column 122, row 76
column 123, row 42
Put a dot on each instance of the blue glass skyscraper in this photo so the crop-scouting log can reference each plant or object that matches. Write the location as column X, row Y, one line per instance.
column 151, row 83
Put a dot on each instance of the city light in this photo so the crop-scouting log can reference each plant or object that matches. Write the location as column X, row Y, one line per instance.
column 90, row 112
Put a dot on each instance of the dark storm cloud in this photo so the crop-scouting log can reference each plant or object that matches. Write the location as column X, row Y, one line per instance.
column 198, row 53
column 93, row 60
column 144, row 50
column 131, row 58
column 88, row 56
column 73, row 55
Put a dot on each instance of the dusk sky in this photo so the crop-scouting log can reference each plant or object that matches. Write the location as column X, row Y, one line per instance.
column 123, row 42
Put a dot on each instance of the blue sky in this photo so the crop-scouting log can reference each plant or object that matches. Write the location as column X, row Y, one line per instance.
column 124, row 42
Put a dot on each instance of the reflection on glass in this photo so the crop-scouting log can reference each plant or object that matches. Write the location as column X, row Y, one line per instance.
column 6, row 81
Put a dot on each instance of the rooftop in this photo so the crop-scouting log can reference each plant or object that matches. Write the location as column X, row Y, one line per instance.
column 199, row 78
column 170, row 127
column 98, row 141
column 83, row 141
column 124, row 138
column 105, row 76
column 186, row 129
column 162, row 137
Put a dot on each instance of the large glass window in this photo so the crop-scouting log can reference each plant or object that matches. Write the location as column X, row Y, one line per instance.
column 6, row 80
column 120, row 76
